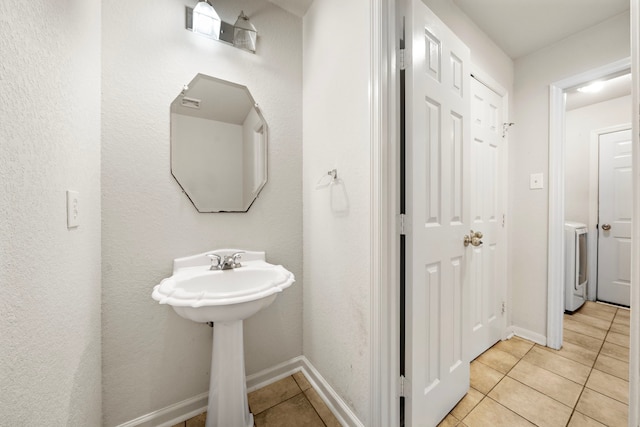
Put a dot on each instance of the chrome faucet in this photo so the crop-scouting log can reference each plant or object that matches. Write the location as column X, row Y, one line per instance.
column 227, row 262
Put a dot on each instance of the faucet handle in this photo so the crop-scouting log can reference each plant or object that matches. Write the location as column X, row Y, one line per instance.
column 218, row 261
column 236, row 258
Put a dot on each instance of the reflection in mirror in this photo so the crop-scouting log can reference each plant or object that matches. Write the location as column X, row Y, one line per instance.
column 218, row 145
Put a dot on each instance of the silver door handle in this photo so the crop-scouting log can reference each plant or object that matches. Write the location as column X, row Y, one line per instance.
column 606, row 227
column 473, row 239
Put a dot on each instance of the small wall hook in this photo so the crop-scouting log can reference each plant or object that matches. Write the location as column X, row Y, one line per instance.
column 505, row 128
column 325, row 182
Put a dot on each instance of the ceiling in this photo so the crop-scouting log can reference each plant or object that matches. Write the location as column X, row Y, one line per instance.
column 520, row 27
column 297, row 7
column 612, row 88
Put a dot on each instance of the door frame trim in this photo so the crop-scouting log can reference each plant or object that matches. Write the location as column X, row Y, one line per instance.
column 634, row 358
column 383, row 384
column 555, row 274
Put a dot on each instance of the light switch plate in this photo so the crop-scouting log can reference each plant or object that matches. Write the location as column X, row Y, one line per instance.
column 536, row 181
column 73, row 211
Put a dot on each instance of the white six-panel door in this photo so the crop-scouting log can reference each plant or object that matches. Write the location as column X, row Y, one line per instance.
column 438, row 131
column 487, row 269
column 614, row 218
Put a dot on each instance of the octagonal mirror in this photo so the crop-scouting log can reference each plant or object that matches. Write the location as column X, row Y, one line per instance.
column 218, row 145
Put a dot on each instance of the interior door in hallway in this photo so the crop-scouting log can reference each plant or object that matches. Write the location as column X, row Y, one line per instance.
column 487, row 275
column 438, row 131
column 614, row 218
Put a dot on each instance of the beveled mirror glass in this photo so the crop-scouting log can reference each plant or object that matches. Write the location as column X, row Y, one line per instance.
column 218, row 145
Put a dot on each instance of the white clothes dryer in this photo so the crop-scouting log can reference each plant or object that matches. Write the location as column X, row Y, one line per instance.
column 576, row 265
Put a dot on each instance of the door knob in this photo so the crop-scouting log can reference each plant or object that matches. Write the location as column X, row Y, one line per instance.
column 473, row 239
column 606, row 227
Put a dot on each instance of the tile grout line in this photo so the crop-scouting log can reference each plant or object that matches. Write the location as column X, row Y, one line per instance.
column 307, row 398
column 281, row 401
column 583, row 386
column 599, row 352
column 591, row 369
column 544, row 394
column 500, row 404
column 314, row 408
column 601, row 344
column 304, row 395
column 503, row 377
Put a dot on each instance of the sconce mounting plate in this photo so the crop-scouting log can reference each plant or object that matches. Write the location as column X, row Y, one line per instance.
column 226, row 29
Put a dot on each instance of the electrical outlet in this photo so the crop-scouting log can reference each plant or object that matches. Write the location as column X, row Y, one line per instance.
column 536, row 181
column 73, row 209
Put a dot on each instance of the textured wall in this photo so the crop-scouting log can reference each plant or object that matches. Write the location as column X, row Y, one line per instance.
column 579, row 125
column 337, row 264
column 49, row 275
column 529, row 210
column 151, row 357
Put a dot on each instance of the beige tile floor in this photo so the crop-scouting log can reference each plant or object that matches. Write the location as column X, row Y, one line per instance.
column 586, row 383
column 290, row 402
column 514, row 383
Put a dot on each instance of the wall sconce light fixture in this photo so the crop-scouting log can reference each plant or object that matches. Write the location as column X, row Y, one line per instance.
column 244, row 33
column 205, row 21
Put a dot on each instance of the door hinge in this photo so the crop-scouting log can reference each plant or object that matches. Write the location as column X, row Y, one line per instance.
column 403, row 224
column 402, row 58
column 403, row 381
column 504, row 307
column 504, row 218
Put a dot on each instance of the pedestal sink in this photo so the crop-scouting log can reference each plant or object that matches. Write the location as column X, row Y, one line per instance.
column 225, row 297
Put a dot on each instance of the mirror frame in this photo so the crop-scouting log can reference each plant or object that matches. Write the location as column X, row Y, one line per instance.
column 265, row 133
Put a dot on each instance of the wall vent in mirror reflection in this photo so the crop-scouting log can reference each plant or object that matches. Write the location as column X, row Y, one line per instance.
column 218, row 145
column 190, row 102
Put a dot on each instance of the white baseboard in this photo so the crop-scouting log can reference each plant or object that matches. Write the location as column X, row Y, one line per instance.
column 172, row 414
column 340, row 409
column 275, row 373
column 529, row 335
column 182, row 411
column 301, row 364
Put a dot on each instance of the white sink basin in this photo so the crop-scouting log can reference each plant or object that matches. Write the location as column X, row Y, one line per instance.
column 225, row 297
column 203, row 295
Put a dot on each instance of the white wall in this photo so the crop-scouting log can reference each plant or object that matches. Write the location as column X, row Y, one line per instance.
column 49, row 275
column 153, row 358
column 579, row 125
column 337, row 264
column 529, row 153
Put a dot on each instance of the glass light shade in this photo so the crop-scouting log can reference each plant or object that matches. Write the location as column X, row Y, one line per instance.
column 205, row 20
column 245, row 34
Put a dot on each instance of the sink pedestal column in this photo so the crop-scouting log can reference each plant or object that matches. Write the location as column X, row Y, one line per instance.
column 228, row 406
